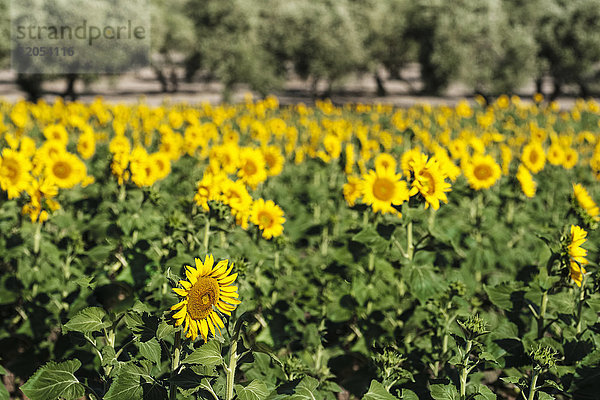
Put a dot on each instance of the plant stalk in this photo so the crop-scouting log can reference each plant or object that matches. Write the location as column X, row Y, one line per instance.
column 175, row 365
column 542, row 314
column 231, row 369
column 206, row 235
column 464, row 373
column 533, row 388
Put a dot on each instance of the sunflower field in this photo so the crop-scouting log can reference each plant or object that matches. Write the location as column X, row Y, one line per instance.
column 258, row 251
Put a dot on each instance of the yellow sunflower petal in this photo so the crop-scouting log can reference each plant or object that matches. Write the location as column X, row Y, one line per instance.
column 222, row 309
column 204, row 329
column 210, row 325
column 194, row 328
column 230, row 300
column 217, row 320
column 179, row 321
column 181, row 292
column 227, row 280
column 229, row 289
column 181, row 313
column 178, row 305
column 220, row 268
column 186, row 285
column 189, row 272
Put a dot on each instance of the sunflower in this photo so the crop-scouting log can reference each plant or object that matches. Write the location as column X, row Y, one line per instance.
column 86, row 145
column 556, row 154
column 274, row 160
column 570, row 158
column 65, row 170
column 209, row 188
column 386, row 161
column 382, row 188
column 430, row 181
column 208, row 287
column 268, row 217
column 528, row 185
column 533, row 157
column 352, row 190
column 57, row 132
column 162, row 162
column 576, row 253
column 252, row 167
column 350, row 159
column 481, row 171
column 15, row 173
column 586, row 202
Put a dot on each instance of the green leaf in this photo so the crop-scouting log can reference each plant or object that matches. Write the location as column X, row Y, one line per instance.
column 408, row 394
column 505, row 296
column 544, row 396
column 370, row 238
column 378, row 392
column 164, row 330
column 150, row 350
column 444, row 392
column 306, row 389
column 480, row 392
column 88, row 320
column 256, row 390
column 4, row 395
column 511, row 379
column 208, row 354
column 55, row 380
column 263, row 348
column 134, row 382
column 423, row 281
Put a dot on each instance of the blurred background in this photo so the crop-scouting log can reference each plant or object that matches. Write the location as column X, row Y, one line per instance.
column 356, row 50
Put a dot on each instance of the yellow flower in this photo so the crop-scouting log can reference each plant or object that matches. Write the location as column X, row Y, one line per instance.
column 586, row 202
column 429, row 181
column 57, row 132
column 86, row 145
column 576, row 253
column 252, row 167
column 350, row 159
column 15, row 175
column 533, row 157
column 208, row 289
column 268, row 217
column 570, row 158
column 556, row 154
column 382, row 189
column 162, row 164
column 528, row 185
column 274, row 160
column 209, row 188
column 65, row 170
column 386, row 161
column 236, row 196
column 481, row 171
column 352, row 190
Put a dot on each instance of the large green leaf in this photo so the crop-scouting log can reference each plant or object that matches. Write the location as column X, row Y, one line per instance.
column 91, row 319
column 378, row 392
column 55, row 380
column 256, row 390
column 208, row 354
column 150, row 350
column 444, row 392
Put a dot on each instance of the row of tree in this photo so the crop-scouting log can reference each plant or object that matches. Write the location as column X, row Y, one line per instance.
column 492, row 46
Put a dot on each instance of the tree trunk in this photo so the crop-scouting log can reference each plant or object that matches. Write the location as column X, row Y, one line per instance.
column 381, row 92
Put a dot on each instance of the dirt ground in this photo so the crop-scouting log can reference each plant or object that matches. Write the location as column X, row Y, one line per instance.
column 142, row 86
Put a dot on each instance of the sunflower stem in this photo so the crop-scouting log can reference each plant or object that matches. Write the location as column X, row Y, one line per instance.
column 542, row 314
column 206, row 235
column 580, row 305
column 465, row 371
column 533, row 388
column 276, row 262
column 410, row 248
column 371, row 261
column 37, row 237
column 231, row 369
column 175, row 365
